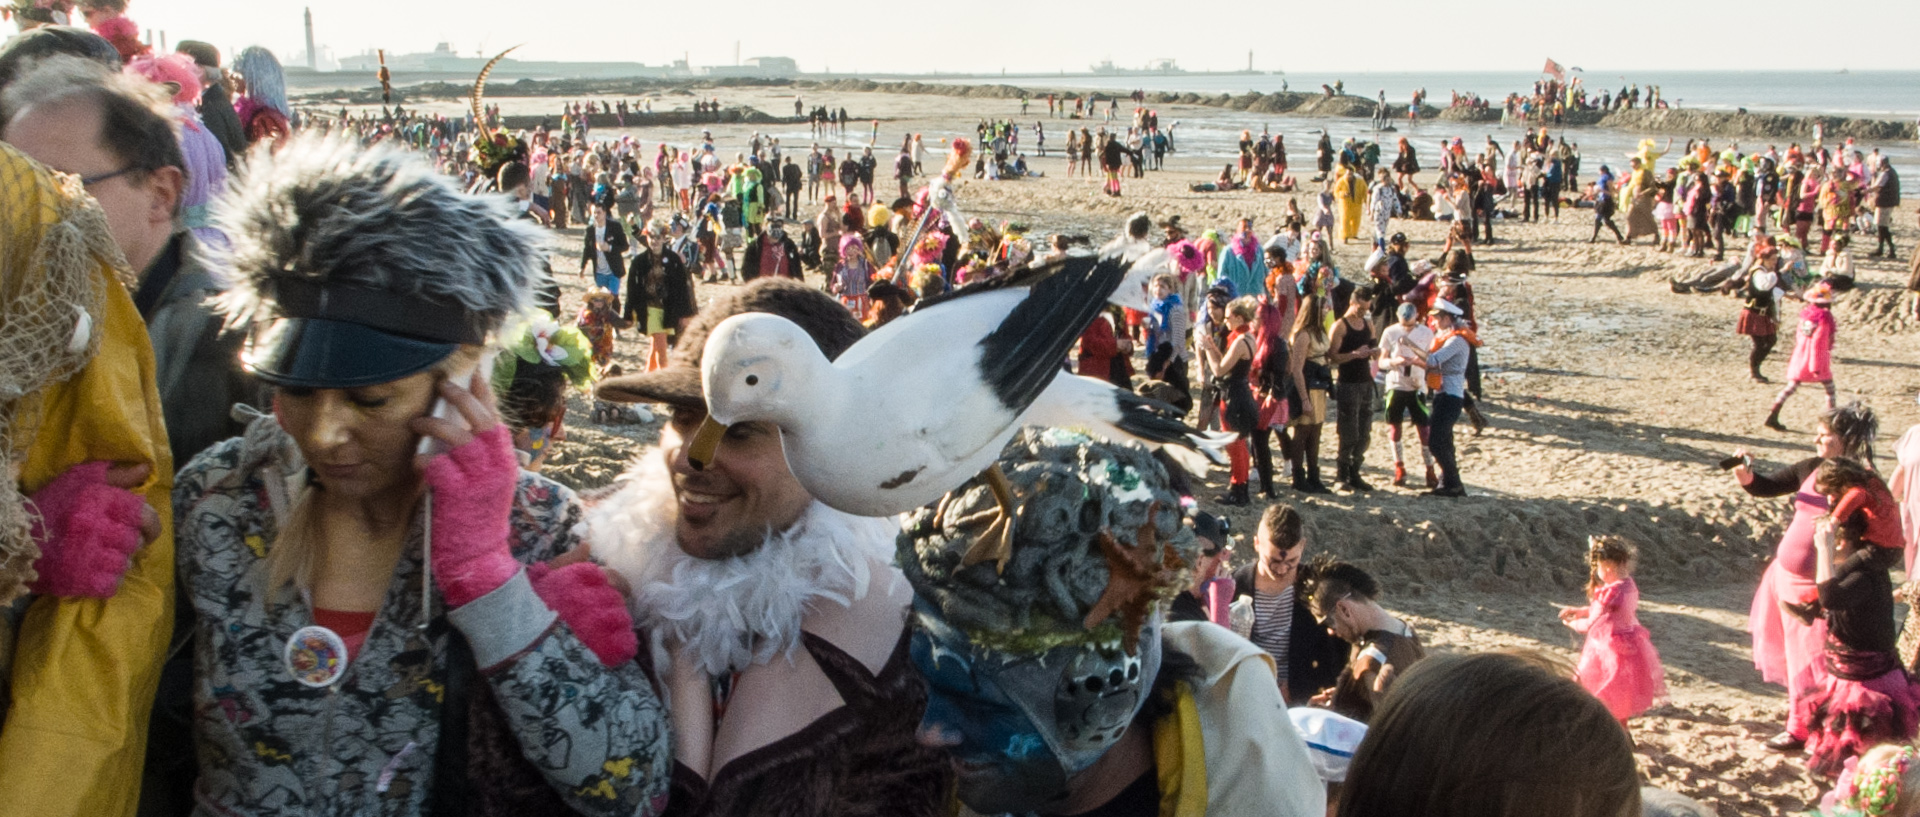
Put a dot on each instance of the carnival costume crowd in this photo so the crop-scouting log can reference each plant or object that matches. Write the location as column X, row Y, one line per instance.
column 279, row 386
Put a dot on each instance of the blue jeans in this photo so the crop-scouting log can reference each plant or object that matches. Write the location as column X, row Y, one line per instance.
column 1446, row 412
column 609, row 282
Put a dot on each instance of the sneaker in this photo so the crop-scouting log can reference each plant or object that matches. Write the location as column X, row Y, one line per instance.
column 1784, row 743
column 1399, row 475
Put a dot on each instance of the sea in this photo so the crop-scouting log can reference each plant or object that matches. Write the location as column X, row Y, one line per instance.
column 1215, row 135
column 1872, row 94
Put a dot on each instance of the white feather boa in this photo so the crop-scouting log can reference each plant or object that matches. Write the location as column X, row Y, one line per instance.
column 727, row 614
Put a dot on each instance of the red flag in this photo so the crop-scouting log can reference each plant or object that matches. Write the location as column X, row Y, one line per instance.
column 1554, row 68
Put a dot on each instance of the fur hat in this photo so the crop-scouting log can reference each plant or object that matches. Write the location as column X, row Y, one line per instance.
column 678, row 383
column 377, row 265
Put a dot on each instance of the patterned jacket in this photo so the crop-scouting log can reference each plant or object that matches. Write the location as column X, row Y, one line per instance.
column 367, row 745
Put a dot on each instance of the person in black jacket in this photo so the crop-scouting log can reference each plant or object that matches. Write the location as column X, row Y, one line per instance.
column 1308, row 658
column 216, row 105
column 791, row 179
column 771, row 254
column 604, row 250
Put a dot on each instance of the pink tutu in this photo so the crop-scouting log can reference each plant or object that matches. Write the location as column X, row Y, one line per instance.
column 1843, row 718
column 1622, row 669
column 1618, row 664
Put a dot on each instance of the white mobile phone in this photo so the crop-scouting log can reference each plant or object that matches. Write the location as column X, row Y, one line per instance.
column 429, row 444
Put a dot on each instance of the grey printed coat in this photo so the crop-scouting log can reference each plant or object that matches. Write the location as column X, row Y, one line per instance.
column 268, row 745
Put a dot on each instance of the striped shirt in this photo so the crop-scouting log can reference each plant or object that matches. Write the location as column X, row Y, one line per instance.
column 1273, row 627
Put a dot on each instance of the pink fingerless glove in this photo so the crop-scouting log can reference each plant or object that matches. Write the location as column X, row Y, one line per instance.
column 473, row 488
column 87, row 531
column 592, row 608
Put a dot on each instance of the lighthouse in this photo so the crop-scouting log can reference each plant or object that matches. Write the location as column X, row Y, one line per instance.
column 312, row 62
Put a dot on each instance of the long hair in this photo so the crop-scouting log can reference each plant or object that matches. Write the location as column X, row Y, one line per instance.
column 1492, row 735
column 1312, row 314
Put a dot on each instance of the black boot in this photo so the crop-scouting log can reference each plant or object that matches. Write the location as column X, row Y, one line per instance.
column 1236, row 495
column 1300, row 479
column 1355, row 480
column 1773, row 420
column 1266, row 483
column 1314, row 485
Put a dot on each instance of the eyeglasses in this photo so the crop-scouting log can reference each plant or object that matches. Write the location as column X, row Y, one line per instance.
column 89, row 181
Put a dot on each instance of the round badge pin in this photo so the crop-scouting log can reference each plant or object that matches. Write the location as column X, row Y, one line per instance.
column 316, row 656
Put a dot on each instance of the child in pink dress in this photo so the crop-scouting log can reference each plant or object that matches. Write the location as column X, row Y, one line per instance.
column 1812, row 360
column 1618, row 664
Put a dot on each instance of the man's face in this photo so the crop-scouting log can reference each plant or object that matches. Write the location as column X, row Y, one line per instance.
column 747, row 491
column 1277, row 562
column 1001, row 763
column 139, row 206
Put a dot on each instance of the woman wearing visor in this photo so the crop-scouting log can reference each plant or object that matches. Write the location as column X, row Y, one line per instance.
column 377, row 630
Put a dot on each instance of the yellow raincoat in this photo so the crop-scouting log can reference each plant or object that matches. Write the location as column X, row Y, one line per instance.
column 1350, row 190
column 84, row 671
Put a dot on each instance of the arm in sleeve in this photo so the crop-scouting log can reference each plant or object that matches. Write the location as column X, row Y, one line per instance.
column 598, row 733
column 85, row 670
column 1784, row 481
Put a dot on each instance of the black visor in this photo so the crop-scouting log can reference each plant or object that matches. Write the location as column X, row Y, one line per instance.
column 319, row 353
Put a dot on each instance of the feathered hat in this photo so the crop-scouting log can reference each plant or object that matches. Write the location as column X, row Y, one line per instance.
column 373, row 266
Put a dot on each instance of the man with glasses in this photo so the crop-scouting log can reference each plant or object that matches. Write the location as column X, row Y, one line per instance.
column 1346, row 601
column 117, row 133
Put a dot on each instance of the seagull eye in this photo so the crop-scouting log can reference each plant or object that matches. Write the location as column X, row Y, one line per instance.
column 753, row 380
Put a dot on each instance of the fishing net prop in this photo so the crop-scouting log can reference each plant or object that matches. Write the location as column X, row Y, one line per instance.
column 53, row 242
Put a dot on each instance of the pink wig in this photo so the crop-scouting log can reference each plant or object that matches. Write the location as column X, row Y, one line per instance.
column 170, row 69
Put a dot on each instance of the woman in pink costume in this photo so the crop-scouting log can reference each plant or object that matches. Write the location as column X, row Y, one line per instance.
column 1787, row 650
column 1618, row 664
column 1812, row 360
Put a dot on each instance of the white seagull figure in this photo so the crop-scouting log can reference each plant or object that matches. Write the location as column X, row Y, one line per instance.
column 926, row 402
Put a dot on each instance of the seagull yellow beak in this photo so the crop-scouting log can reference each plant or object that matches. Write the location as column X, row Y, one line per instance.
column 705, row 443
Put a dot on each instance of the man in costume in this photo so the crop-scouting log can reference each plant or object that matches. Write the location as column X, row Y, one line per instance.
column 1054, row 685
column 777, row 624
column 80, row 652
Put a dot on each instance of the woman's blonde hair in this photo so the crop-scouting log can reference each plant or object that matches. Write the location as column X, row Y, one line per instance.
column 290, row 558
column 1242, row 308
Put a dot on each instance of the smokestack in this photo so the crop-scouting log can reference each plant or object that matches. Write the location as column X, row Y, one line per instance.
column 1249, row 59
column 312, row 61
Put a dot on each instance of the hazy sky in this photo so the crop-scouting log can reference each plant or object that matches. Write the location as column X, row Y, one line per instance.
column 1051, row 35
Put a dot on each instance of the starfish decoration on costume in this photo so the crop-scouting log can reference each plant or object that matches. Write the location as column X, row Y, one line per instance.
column 1132, row 572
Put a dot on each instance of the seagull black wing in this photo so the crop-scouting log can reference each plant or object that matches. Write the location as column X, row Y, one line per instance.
column 1021, row 358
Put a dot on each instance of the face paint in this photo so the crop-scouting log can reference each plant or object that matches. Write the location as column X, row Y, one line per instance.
column 1019, row 727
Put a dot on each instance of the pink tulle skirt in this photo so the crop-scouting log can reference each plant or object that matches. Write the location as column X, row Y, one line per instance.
column 1786, row 651
column 1622, row 669
column 1846, row 718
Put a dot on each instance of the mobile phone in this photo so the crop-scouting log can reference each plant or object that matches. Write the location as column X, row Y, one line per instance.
column 1730, row 463
column 430, row 445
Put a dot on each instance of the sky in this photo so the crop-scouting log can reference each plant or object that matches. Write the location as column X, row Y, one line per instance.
column 1055, row 35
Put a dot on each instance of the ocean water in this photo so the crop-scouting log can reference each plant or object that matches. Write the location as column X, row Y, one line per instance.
column 1873, row 94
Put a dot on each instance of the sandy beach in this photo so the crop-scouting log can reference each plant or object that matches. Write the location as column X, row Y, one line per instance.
column 1610, row 400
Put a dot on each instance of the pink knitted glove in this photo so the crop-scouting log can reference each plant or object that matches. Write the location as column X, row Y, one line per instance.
column 473, row 489
column 89, row 525
column 591, row 607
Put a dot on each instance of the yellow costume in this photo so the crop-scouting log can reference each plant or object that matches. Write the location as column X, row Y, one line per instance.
column 1351, row 193
column 83, row 671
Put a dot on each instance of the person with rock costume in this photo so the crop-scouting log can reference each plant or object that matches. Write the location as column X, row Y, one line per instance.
column 776, row 626
column 1055, row 686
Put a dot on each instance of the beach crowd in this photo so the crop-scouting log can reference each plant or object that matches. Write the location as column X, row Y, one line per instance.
column 279, row 386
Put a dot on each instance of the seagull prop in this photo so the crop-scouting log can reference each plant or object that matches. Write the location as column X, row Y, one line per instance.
column 926, row 402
